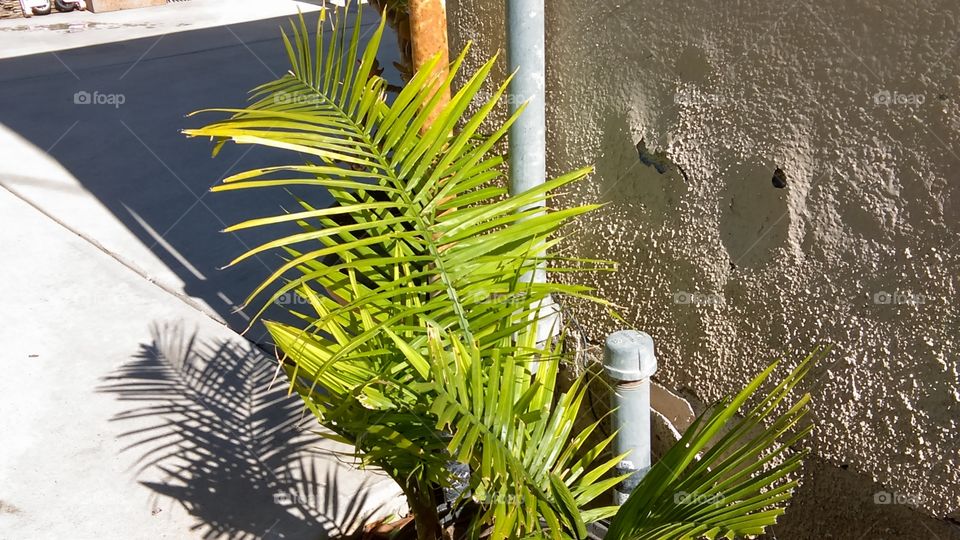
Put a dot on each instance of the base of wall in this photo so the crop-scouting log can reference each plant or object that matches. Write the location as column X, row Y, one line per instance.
column 97, row 6
column 834, row 502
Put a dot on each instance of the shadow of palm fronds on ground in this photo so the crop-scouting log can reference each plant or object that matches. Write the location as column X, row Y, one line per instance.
column 214, row 430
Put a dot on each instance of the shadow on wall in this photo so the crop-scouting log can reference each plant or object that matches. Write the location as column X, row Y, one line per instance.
column 213, row 431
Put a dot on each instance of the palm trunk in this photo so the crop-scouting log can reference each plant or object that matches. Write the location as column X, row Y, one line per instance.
column 428, row 31
column 423, row 505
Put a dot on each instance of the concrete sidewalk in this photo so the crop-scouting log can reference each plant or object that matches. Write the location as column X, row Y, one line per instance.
column 128, row 409
column 60, row 31
column 126, row 413
column 125, row 178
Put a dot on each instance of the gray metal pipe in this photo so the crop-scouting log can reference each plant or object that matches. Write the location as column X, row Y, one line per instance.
column 629, row 360
column 528, row 135
column 525, row 54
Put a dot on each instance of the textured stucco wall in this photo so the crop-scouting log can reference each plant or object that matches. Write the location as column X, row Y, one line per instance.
column 858, row 102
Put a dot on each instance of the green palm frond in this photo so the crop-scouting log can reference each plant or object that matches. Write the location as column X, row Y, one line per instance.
column 515, row 430
column 417, row 340
column 403, row 190
column 726, row 477
column 421, row 242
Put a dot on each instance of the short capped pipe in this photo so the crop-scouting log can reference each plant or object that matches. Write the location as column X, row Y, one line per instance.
column 629, row 360
column 628, row 356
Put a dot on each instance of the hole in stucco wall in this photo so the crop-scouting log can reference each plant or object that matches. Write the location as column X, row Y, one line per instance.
column 659, row 160
column 753, row 221
column 649, row 197
column 779, row 178
column 656, row 159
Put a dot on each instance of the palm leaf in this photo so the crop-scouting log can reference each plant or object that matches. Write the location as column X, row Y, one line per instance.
column 418, row 340
column 515, row 431
column 726, row 477
column 349, row 126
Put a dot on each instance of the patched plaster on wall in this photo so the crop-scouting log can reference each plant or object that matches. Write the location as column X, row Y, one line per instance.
column 859, row 104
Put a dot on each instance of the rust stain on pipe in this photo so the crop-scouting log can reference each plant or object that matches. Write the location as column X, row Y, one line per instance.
column 428, row 31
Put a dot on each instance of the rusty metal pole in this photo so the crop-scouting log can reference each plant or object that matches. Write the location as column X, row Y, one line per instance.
column 428, row 31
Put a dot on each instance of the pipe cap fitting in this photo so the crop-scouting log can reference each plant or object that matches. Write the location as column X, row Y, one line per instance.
column 628, row 356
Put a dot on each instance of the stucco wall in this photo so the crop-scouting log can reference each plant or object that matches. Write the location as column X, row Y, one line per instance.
column 858, row 103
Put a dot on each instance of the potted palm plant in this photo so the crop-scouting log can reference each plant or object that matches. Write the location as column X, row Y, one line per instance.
column 419, row 347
